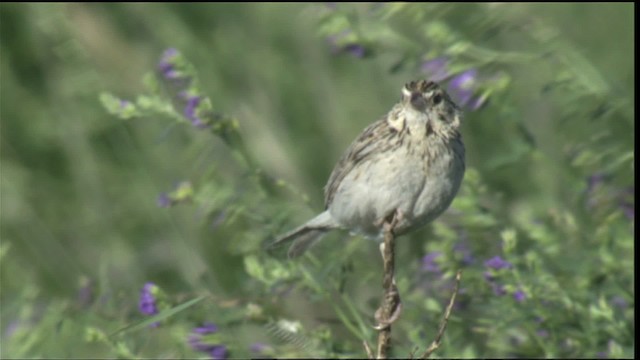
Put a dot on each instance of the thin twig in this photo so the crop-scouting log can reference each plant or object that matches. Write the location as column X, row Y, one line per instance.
column 443, row 324
column 413, row 352
column 390, row 307
column 368, row 350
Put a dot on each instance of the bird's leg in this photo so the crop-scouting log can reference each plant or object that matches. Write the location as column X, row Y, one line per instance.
column 390, row 221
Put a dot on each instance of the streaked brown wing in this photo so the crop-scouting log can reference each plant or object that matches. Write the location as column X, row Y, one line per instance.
column 376, row 138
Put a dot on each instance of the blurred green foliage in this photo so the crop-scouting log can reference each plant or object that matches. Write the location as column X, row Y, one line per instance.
column 89, row 143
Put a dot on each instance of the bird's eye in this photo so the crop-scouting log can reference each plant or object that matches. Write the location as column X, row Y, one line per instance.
column 437, row 99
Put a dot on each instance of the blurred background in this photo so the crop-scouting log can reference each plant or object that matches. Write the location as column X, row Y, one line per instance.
column 96, row 201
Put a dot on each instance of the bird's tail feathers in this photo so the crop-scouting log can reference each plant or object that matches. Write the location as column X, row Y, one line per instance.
column 306, row 235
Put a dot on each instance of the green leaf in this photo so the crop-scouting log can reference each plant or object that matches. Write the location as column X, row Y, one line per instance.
column 156, row 318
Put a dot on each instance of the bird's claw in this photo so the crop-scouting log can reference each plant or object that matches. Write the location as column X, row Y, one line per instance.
column 385, row 323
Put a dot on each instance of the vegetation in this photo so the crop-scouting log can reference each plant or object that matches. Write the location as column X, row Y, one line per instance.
column 149, row 151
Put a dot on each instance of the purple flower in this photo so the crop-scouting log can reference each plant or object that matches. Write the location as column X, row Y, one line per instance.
column 164, row 200
column 147, row 303
column 519, row 296
column 166, row 66
column 11, row 328
column 542, row 333
column 207, row 328
column 436, row 69
column 124, row 104
column 219, row 352
column 168, row 55
column 497, row 263
column 191, row 112
column 197, row 341
column 628, row 210
column 85, row 295
column 619, row 302
column 259, row 348
column 462, row 86
column 355, row 49
column 191, row 107
column 594, row 180
column 339, row 46
column 429, row 264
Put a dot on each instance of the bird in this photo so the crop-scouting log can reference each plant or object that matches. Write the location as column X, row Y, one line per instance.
column 410, row 162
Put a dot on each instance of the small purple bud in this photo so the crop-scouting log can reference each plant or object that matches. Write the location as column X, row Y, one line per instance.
column 259, row 347
column 184, row 95
column 164, row 200
column 464, row 80
column 519, row 296
column 436, row 69
column 497, row 263
column 170, row 53
column 11, row 328
column 619, row 302
column 172, row 74
column 356, row 50
column 197, row 122
column 195, row 340
column 542, row 333
column 166, row 66
column 429, row 264
column 498, row 289
column 207, row 328
column 147, row 303
column 594, row 180
column 190, row 112
column 219, row 352
column 461, row 86
column 190, row 108
column 628, row 210
column 85, row 295
column 338, row 46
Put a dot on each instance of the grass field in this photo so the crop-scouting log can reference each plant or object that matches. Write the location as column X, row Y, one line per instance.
column 148, row 151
